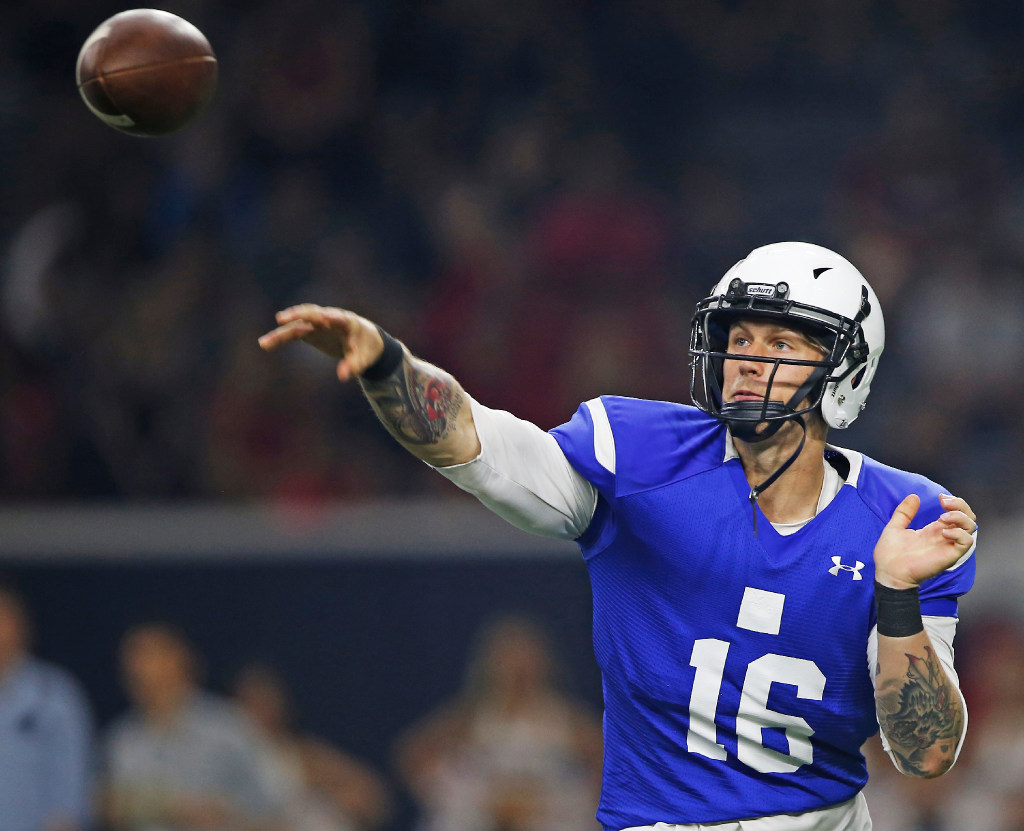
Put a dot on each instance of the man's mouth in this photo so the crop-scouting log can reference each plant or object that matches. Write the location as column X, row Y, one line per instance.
column 747, row 395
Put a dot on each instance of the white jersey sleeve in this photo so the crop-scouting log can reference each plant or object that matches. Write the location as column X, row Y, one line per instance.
column 524, row 477
column 940, row 631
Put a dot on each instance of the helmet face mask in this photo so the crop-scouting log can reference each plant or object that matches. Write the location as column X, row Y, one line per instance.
column 807, row 288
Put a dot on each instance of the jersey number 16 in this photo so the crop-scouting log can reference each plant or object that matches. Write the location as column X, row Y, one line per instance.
column 754, row 716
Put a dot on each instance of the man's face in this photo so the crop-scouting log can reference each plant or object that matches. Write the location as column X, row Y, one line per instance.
column 13, row 631
column 153, row 662
column 748, row 380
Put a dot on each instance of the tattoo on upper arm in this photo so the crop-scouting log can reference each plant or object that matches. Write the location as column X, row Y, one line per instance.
column 919, row 711
column 418, row 404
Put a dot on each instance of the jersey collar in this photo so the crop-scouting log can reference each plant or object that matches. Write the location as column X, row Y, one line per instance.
column 854, row 459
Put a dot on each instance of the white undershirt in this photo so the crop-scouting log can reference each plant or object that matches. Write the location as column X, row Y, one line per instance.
column 523, row 476
column 830, row 486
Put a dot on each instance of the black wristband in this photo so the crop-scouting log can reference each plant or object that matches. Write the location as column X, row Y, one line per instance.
column 898, row 611
column 388, row 362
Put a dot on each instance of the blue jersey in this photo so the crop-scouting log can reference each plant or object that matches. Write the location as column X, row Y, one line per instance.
column 734, row 665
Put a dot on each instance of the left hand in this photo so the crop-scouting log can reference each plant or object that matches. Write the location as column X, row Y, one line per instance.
column 905, row 558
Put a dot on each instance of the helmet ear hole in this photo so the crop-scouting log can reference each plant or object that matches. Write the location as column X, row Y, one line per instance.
column 858, row 378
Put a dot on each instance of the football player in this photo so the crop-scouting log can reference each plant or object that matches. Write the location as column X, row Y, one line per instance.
column 763, row 600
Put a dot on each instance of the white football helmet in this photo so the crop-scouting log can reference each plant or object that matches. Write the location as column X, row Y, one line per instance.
column 818, row 292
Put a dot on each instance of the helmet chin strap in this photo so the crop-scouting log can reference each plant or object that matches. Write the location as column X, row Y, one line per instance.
column 743, row 418
column 757, row 490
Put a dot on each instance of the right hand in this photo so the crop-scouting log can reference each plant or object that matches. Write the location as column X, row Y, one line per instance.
column 345, row 336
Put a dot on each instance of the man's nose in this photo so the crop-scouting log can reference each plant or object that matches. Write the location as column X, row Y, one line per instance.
column 749, row 366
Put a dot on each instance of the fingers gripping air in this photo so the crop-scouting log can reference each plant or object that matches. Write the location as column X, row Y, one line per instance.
column 340, row 334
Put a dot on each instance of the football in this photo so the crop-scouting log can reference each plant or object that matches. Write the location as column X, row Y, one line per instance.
column 146, row 72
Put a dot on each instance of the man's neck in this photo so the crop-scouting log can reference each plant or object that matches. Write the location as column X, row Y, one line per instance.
column 794, row 495
column 165, row 708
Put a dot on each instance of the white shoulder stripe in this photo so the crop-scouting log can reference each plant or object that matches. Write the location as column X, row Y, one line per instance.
column 855, row 459
column 604, row 441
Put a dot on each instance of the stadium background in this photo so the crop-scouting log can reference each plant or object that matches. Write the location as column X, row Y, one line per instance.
column 532, row 195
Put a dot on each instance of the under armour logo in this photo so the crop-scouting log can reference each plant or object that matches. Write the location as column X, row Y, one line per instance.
column 840, row 566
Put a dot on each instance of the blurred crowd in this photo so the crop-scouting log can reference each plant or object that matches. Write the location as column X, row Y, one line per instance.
column 533, row 195
column 510, row 750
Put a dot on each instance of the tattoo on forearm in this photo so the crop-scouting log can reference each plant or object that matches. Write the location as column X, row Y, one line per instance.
column 418, row 404
column 919, row 711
